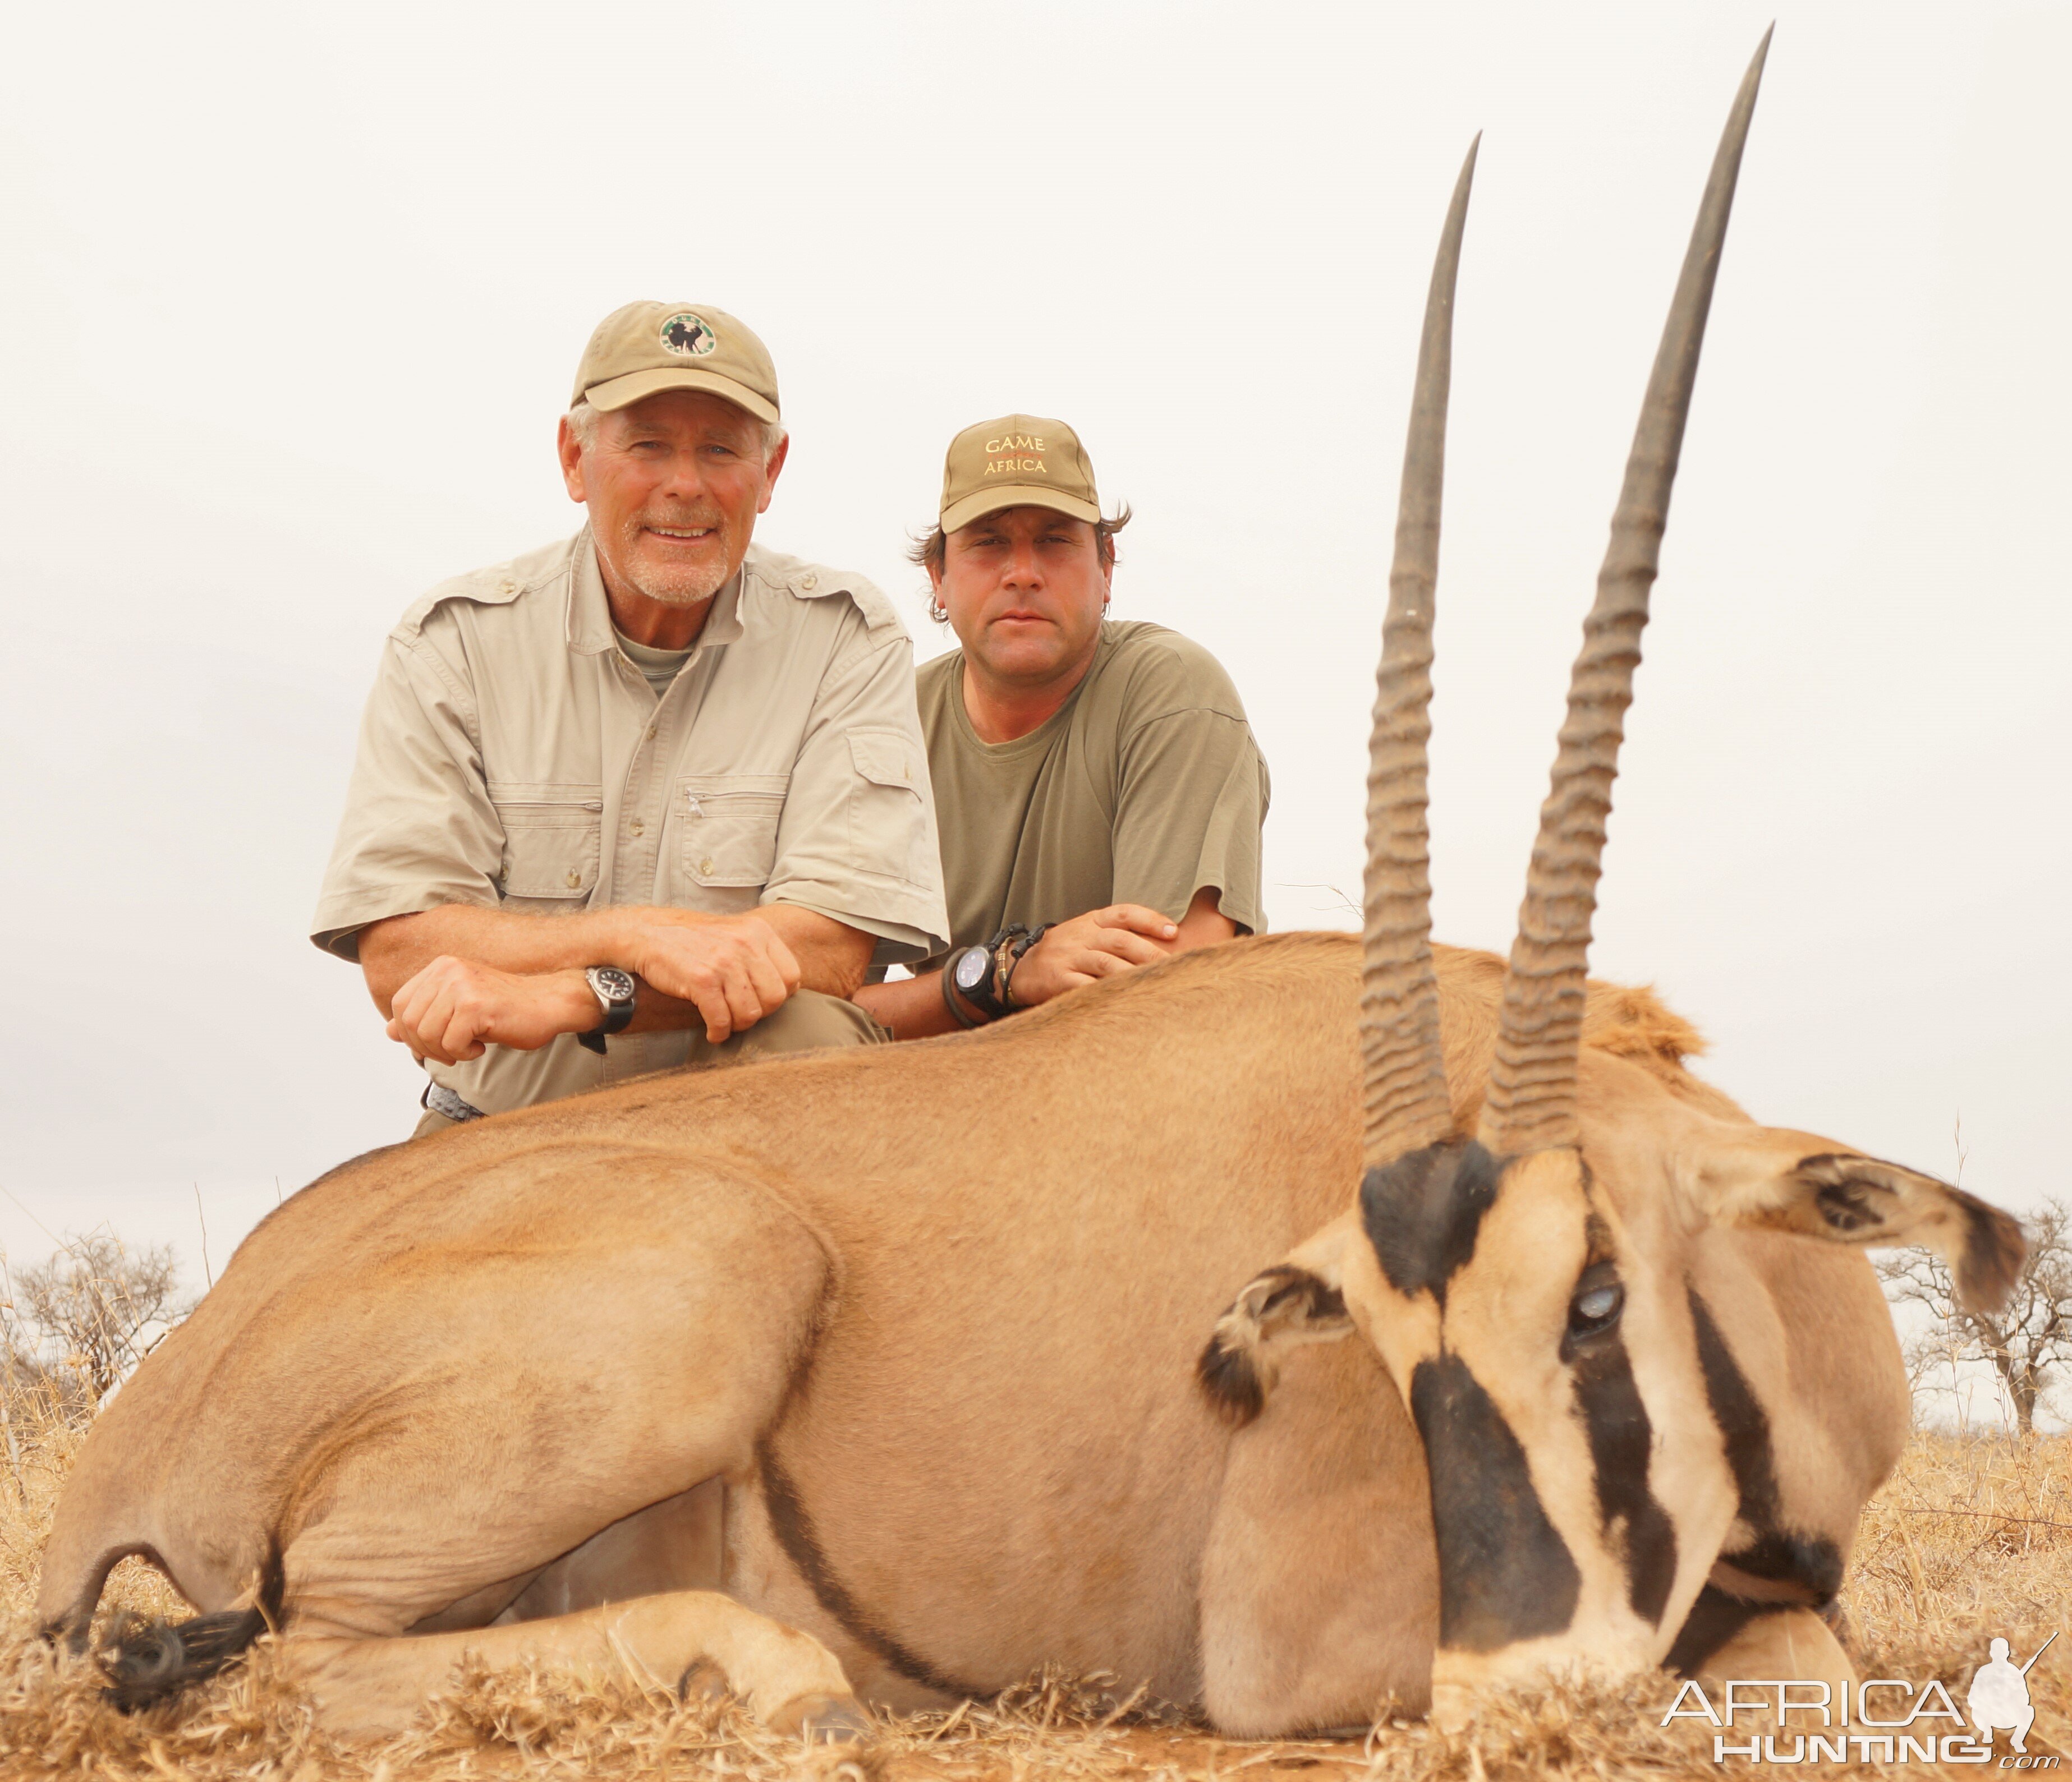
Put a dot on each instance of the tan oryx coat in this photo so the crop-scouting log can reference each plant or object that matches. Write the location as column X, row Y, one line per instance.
column 939, row 1340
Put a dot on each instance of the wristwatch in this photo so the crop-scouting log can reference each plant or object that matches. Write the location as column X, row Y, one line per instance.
column 615, row 989
column 970, row 972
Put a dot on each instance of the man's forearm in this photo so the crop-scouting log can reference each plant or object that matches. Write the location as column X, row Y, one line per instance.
column 912, row 1008
column 832, row 957
column 393, row 952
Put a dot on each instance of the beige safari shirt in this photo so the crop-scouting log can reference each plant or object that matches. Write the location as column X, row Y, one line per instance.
column 511, row 758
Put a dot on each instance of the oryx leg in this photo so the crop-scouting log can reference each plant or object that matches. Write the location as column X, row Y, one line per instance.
column 1320, row 1588
column 368, row 1688
column 676, row 1545
column 559, row 1401
column 1788, row 1642
column 1726, row 1639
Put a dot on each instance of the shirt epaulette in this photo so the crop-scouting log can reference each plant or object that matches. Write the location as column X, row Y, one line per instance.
column 817, row 581
column 497, row 586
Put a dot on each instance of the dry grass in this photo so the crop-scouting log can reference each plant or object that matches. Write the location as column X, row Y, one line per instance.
column 1972, row 1538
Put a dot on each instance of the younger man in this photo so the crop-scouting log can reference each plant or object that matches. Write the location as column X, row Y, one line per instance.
column 1096, row 783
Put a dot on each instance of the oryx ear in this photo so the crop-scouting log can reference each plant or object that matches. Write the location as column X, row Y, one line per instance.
column 1794, row 1182
column 1297, row 1300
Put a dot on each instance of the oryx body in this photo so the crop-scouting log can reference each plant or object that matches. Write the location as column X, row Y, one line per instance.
column 954, row 1404
column 932, row 1317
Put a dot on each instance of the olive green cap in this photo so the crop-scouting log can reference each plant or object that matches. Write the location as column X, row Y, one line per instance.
column 649, row 346
column 1018, row 460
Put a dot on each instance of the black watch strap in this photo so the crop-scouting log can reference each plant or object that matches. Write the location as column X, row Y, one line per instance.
column 617, row 992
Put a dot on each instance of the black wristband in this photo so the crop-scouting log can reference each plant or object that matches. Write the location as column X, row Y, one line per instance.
column 1018, row 950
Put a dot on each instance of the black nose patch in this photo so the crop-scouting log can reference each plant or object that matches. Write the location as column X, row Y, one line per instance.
column 1422, row 1212
column 1504, row 1573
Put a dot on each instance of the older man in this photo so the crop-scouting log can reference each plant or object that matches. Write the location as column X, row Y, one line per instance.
column 1098, row 790
column 652, row 782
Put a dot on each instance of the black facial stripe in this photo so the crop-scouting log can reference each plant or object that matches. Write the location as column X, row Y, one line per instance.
column 1621, row 1438
column 1777, row 1552
column 794, row 1533
column 1505, row 1574
column 1742, row 1421
column 1422, row 1212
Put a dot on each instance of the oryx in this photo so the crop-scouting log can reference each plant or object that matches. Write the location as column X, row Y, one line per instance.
column 853, row 1403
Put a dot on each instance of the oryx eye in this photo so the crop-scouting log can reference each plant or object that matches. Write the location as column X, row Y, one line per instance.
column 1596, row 1306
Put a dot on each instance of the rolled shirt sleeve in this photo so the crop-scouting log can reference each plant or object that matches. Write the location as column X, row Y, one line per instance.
column 1192, row 799
column 856, row 841
column 419, row 830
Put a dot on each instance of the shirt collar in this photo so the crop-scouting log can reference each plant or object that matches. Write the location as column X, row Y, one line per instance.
column 589, row 632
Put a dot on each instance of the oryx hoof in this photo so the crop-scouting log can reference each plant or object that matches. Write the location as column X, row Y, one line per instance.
column 703, row 1682
column 824, row 1719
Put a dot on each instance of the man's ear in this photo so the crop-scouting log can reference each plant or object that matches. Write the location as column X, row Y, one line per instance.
column 773, row 467
column 1792, row 1181
column 1297, row 1300
column 568, row 449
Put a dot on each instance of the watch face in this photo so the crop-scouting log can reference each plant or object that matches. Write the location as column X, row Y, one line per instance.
column 971, row 968
column 613, row 983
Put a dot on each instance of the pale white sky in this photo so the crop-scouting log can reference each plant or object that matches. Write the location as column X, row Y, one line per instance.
column 294, row 294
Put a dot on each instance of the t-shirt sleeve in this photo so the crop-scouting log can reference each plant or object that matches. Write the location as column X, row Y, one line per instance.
column 419, row 830
column 1192, row 799
column 857, row 842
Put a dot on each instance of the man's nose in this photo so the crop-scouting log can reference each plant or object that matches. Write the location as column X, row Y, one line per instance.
column 1023, row 571
column 684, row 479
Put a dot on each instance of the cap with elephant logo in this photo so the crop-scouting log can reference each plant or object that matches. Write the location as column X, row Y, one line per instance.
column 644, row 347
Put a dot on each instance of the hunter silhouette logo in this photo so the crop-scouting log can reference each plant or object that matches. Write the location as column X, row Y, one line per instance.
column 688, row 335
column 1879, row 1721
column 1999, row 1698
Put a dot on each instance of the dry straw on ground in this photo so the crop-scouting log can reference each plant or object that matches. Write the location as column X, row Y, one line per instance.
column 1972, row 1537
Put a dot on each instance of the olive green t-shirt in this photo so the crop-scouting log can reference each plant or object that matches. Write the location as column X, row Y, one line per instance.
column 1144, row 787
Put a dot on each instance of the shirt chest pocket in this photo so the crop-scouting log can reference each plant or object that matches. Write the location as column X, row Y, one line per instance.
column 729, row 826
column 551, row 842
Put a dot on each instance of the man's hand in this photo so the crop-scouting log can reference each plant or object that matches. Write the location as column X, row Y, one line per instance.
column 1097, row 945
column 734, row 969
column 454, row 1007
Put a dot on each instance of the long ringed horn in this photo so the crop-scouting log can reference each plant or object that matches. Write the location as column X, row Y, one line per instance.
column 1531, row 1100
column 1407, row 1104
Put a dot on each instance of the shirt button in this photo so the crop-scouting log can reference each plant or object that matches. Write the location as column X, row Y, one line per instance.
column 638, row 826
column 654, row 730
column 705, row 865
column 809, row 581
column 575, row 881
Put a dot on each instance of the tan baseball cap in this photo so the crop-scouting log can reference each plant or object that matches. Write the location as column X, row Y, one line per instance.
column 1018, row 460
column 649, row 346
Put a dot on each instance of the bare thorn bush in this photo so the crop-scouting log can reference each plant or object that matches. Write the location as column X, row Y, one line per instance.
column 2028, row 1345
